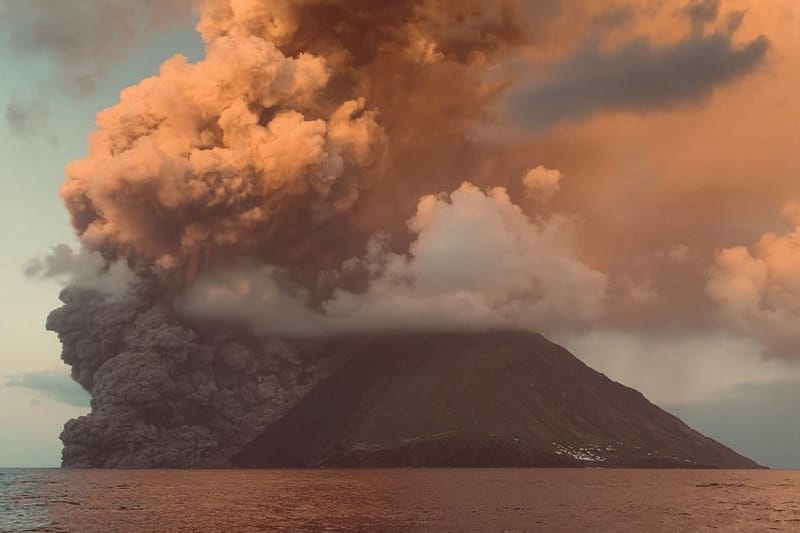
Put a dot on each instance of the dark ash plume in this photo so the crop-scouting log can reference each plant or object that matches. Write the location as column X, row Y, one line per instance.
column 265, row 151
column 163, row 394
column 316, row 173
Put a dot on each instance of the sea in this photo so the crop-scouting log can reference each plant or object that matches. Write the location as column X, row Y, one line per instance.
column 399, row 500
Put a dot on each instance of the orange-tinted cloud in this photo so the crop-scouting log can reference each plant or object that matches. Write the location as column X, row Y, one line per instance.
column 270, row 186
column 757, row 290
column 296, row 140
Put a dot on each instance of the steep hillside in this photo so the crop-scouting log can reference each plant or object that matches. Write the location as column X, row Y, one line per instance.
column 477, row 399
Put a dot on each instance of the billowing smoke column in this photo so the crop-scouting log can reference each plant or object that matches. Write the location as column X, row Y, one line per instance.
column 285, row 187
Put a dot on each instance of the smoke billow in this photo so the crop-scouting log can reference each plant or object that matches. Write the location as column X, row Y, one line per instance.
column 226, row 210
column 313, row 175
column 164, row 394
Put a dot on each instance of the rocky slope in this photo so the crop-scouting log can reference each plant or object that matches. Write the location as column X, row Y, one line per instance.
column 477, row 399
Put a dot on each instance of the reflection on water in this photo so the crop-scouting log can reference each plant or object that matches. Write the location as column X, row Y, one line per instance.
column 398, row 500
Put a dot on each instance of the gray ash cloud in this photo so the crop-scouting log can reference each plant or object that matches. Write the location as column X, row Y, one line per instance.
column 305, row 178
column 258, row 153
column 165, row 394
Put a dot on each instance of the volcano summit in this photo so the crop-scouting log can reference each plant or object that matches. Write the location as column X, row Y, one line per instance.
column 477, row 399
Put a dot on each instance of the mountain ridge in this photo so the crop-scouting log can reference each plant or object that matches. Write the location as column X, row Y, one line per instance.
column 495, row 398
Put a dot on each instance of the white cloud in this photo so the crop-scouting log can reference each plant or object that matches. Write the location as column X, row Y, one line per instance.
column 477, row 262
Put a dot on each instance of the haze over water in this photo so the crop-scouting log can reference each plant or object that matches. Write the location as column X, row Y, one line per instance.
column 473, row 500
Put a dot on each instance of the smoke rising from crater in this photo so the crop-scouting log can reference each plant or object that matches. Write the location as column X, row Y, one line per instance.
column 252, row 168
column 220, row 154
column 321, row 171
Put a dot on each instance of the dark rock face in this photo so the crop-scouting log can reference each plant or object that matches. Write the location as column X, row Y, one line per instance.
column 477, row 399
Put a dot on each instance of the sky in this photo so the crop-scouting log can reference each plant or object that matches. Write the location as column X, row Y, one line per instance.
column 33, row 412
column 646, row 153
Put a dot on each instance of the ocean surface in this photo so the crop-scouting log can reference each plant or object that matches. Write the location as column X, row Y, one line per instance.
column 460, row 501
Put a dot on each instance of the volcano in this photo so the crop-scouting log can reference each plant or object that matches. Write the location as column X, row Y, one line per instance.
column 482, row 399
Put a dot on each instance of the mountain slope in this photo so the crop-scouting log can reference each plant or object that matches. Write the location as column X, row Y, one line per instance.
column 477, row 399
